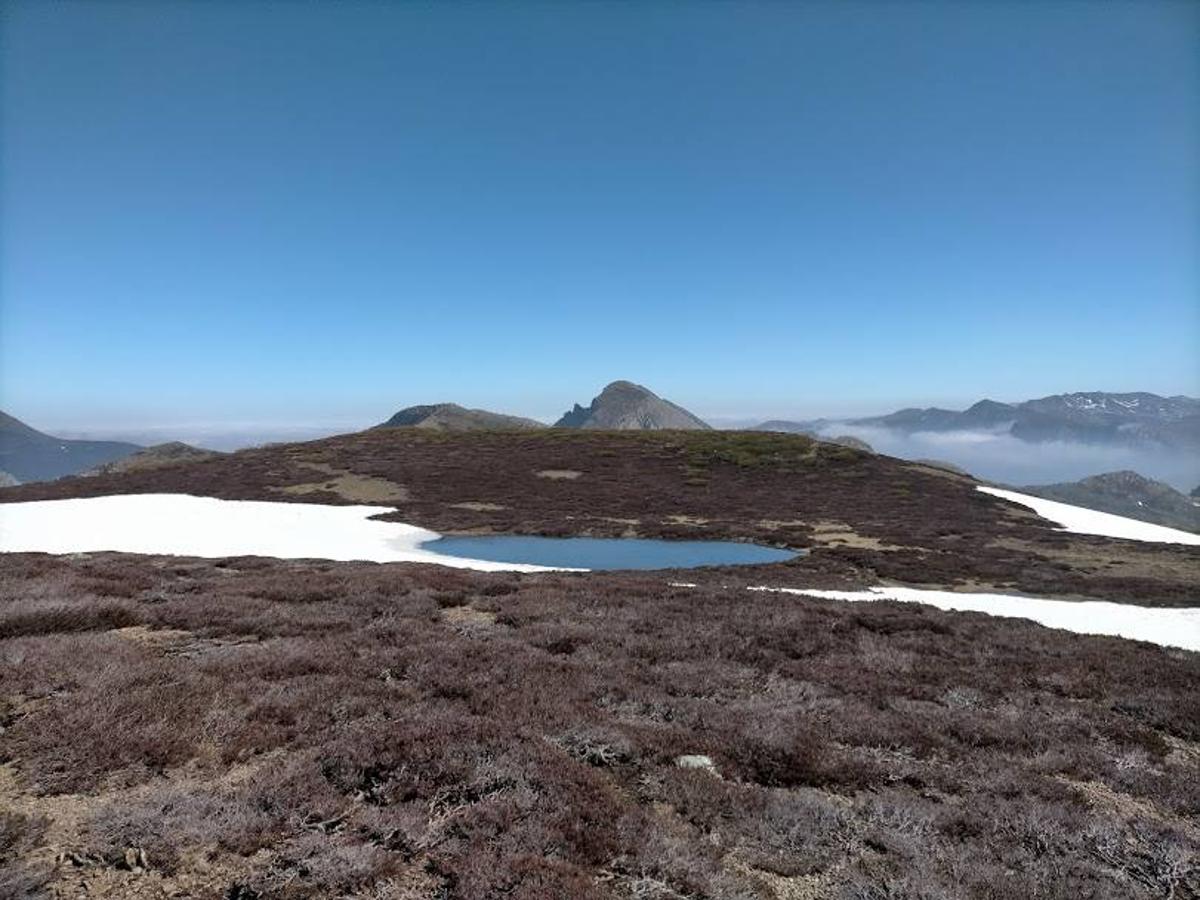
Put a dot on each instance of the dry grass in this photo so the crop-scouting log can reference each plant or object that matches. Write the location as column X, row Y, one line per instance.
column 349, row 486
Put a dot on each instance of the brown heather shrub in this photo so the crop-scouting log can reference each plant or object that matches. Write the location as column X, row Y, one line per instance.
column 20, row 834
column 320, row 730
column 22, row 619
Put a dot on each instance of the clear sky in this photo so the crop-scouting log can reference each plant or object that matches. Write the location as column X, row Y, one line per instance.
column 321, row 212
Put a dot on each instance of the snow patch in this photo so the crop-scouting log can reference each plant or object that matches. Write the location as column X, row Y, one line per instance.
column 183, row 525
column 1078, row 520
column 1166, row 627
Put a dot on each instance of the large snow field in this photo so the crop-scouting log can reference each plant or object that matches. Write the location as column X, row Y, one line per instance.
column 1088, row 521
column 183, row 525
column 1167, row 627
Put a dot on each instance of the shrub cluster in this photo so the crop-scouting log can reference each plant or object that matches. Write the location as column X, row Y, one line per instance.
column 329, row 730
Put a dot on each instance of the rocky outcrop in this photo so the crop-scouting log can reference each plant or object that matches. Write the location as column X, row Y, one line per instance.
column 624, row 405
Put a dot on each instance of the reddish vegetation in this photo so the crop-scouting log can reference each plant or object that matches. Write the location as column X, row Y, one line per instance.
column 767, row 487
column 256, row 728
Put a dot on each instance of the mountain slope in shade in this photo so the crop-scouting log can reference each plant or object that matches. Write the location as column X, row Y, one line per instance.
column 29, row 455
column 1126, row 494
column 159, row 455
column 624, row 406
column 984, row 414
column 452, row 417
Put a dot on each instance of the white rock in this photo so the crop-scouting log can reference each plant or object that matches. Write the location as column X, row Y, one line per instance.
column 697, row 761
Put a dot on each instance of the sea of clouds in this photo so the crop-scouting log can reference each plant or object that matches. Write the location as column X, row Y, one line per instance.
column 998, row 456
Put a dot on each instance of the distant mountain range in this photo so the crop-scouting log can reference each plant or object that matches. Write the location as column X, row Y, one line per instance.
column 452, row 417
column 1127, row 494
column 27, row 454
column 1092, row 418
column 1097, row 418
column 624, row 405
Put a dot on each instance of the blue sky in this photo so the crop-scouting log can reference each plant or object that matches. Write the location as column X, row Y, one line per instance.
column 288, row 213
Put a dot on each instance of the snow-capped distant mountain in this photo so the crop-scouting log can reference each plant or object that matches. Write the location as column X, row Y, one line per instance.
column 1093, row 417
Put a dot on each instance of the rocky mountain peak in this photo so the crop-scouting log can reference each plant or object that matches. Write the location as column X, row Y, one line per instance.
column 623, row 405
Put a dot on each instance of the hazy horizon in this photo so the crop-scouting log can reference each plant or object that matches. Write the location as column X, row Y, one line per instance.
column 990, row 455
column 359, row 414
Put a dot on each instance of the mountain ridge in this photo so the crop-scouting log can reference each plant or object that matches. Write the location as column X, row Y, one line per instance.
column 452, row 417
column 1093, row 417
column 27, row 454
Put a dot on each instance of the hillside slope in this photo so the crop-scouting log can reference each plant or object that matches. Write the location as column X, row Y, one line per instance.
column 452, row 417
column 29, row 455
column 168, row 454
column 1126, row 494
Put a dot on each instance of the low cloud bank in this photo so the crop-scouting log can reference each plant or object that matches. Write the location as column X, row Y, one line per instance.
column 224, row 437
column 999, row 456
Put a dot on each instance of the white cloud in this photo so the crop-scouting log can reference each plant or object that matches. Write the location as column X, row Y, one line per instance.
column 999, row 456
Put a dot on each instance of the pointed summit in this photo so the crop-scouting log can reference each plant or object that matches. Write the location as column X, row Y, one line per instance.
column 624, row 405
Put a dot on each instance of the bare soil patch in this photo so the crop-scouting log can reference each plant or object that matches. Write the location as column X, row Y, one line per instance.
column 477, row 506
column 697, row 521
column 839, row 534
column 468, row 616
column 349, row 486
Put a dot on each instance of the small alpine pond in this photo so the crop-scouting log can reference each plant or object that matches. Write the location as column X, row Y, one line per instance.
column 605, row 553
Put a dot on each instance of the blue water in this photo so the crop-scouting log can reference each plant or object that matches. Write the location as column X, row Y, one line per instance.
column 606, row 553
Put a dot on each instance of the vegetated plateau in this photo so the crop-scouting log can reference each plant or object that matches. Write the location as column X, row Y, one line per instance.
column 253, row 727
